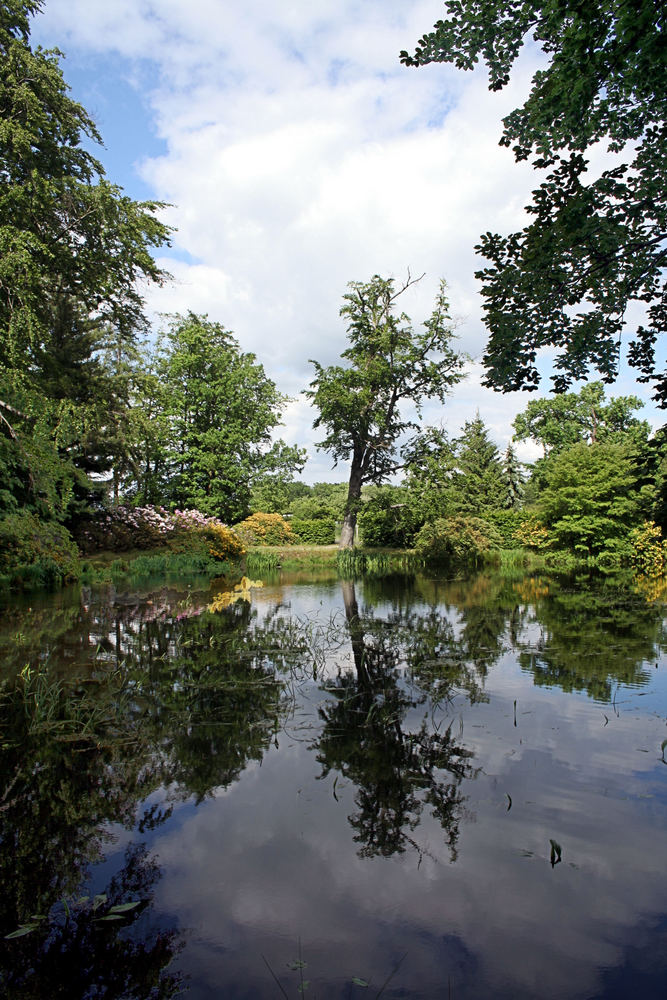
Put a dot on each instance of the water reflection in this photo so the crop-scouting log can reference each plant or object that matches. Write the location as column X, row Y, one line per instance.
column 396, row 770
column 376, row 767
column 78, row 951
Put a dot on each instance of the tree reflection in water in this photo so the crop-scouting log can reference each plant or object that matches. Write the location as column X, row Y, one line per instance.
column 397, row 768
column 177, row 705
column 79, row 952
column 157, row 697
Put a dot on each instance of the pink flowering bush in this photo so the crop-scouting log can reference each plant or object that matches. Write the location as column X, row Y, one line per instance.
column 124, row 527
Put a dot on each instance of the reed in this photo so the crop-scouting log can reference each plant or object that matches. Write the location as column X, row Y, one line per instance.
column 377, row 562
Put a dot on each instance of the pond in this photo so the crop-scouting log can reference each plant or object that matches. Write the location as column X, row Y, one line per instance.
column 393, row 786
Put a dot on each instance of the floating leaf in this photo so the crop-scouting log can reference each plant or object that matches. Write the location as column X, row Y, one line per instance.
column 125, row 907
column 297, row 965
column 22, row 931
column 111, row 916
column 359, row 982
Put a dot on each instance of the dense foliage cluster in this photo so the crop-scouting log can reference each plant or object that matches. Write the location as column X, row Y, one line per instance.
column 591, row 249
column 125, row 528
column 266, row 529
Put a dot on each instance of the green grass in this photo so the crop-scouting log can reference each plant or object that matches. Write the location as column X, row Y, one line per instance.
column 268, row 557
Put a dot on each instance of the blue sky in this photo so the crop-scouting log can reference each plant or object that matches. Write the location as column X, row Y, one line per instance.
column 298, row 154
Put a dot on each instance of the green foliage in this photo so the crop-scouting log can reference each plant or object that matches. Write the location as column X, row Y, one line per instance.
column 35, row 553
column 390, row 519
column 430, row 461
column 276, row 494
column 514, row 478
column 457, row 540
column 478, row 484
column 314, row 531
column 532, row 534
column 388, row 366
column 558, row 422
column 593, row 497
column 217, row 409
column 265, row 529
column 506, row 522
column 464, row 476
column 75, row 253
column 597, row 246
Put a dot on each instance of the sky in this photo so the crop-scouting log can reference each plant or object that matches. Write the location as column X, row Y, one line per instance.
column 297, row 154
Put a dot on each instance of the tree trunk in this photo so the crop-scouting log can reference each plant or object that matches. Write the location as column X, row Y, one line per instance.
column 351, row 507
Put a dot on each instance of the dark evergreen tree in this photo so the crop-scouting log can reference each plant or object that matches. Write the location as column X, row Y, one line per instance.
column 514, row 477
column 478, row 483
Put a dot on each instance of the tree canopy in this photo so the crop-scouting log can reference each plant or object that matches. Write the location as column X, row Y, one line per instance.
column 213, row 411
column 558, row 422
column 74, row 253
column 389, row 365
column 566, row 280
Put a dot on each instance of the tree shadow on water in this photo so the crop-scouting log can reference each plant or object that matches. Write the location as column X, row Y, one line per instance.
column 399, row 766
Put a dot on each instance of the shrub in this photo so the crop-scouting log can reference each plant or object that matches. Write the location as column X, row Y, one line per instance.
column 188, row 531
column 532, row 534
column 265, row 529
column 314, row 531
column 124, row 527
column 457, row 539
column 507, row 523
column 36, row 553
column 223, row 542
column 389, row 519
column 649, row 550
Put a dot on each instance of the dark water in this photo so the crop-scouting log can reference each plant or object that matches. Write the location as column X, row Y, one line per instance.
column 437, row 788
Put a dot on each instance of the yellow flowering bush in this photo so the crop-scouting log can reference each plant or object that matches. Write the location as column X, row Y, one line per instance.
column 649, row 549
column 223, row 542
column 532, row 534
column 266, row 529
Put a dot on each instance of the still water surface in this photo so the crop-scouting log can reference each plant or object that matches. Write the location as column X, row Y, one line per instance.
column 436, row 788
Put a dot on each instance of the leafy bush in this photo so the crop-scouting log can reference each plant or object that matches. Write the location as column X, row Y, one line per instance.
column 389, row 519
column 457, row 539
column 36, row 553
column 123, row 528
column 265, row 529
column 532, row 534
column 649, row 550
column 223, row 542
column 507, row 522
column 594, row 495
column 314, row 531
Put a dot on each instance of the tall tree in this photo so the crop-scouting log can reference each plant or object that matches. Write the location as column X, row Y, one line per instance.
column 597, row 246
column 558, row 422
column 74, row 251
column 594, row 494
column 514, row 477
column 217, row 408
column 389, row 365
column 478, row 484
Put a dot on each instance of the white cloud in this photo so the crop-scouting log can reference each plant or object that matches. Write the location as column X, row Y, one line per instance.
column 301, row 155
